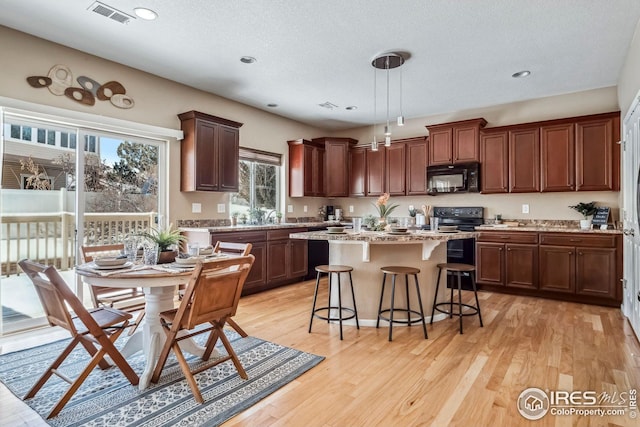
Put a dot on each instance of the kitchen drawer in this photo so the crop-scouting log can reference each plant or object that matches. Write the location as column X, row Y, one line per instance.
column 239, row 237
column 283, row 233
column 503, row 237
column 578, row 239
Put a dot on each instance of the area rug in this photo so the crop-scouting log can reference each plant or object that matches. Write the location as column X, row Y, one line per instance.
column 107, row 399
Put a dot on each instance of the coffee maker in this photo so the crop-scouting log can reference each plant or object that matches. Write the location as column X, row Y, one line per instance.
column 329, row 210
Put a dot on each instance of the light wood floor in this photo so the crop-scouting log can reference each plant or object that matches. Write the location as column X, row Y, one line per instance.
column 448, row 380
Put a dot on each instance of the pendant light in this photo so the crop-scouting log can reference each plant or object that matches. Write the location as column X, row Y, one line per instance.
column 387, row 62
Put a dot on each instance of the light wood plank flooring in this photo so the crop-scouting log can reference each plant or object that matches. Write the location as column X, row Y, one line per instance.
column 448, row 380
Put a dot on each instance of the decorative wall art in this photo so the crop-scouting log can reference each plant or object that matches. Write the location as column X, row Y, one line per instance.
column 59, row 81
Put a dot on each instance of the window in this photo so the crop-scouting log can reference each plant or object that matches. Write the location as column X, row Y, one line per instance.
column 47, row 136
column 259, row 184
column 30, row 182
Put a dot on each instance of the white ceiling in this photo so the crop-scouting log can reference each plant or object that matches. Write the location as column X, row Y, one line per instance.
column 308, row 52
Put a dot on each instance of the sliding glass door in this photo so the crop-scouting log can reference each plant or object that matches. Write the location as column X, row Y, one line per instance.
column 49, row 209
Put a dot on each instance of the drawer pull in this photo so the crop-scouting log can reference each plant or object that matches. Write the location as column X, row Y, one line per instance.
column 505, row 237
column 575, row 240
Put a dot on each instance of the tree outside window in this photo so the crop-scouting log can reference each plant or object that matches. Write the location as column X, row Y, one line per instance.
column 258, row 193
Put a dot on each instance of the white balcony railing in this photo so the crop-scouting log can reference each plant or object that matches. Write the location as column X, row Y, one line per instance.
column 50, row 238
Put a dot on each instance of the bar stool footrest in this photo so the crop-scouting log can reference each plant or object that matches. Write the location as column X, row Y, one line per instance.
column 409, row 321
column 334, row 319
column 473, row 312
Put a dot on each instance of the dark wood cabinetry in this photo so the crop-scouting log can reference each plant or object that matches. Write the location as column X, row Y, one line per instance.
column 358, row 172
column 524, row 160
column 494, row 156
column 209, row 154
column 336, row 165
column 306, row 168
column 597, row 158
column 417, row 150
column 508, row 259
column 579, row 267
column 570, row 154
column 456, row 142
column 395, row 166
column 557, row 157
column 279, row 260
column 375, row 175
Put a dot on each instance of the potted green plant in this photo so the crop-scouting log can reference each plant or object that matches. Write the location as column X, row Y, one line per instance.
column 587, row 210
column 278, row 217
column 167, row 240
column 243, row 218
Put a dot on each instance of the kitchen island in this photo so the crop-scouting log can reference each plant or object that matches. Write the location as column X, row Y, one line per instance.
column 368, row 251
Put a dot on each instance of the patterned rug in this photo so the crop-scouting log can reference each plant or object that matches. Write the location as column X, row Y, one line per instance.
column 107, row 399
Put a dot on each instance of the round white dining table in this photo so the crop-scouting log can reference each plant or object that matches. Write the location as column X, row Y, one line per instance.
column 159, row 285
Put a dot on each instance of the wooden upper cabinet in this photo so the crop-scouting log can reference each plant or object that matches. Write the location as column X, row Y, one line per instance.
column 557, row 157
column 524, row 161
column 209, row 153
column 417, row 151
column 375, row 176
column 357, row 172
column 336, row 167
column 455, row 142
column 395, row 166
column 597, row 155
column 306, row 168
column 494, row 156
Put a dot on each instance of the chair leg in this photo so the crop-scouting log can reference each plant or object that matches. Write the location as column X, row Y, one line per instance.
column 451, row 298
column 424, row 323
column 234, row 356
column 459, row 299
column 329, row 282
column 393, row 294
column 315, row 298
column 384, row 279
column 339, row 305
column 92, row 350
column 56, row 363
column 137, row 322
column 475, row 292
column 211, row 341
column 237, row 327
column 186, row 370
column 435, row 297
column 406, row 292
column 353, row 295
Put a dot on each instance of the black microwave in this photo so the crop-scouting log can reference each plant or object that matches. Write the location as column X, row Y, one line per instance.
column 459, row 178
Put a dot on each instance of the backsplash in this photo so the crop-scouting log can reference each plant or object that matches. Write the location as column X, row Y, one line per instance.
column 224, row 222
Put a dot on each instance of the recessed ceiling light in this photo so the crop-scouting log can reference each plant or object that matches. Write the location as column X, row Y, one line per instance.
column 523, row 73
column 272, row 105
column 351, row 107
column 248, row 59
column 144, row 13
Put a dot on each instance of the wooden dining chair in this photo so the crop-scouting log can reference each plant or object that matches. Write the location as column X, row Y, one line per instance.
column 127, row 299
column 100, row 326
column 211, row 297
column 237, row 249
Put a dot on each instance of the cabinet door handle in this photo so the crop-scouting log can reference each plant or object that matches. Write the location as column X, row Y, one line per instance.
column 579, row 253
column 500, row 249
column 570, row 253
column 508, row 249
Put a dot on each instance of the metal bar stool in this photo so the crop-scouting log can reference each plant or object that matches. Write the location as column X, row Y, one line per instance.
column 458, row 269
column 407, row 271
column 337, row 270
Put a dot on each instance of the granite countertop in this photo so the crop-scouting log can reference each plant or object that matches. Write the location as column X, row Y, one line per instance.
column 546, row 229
column 383, row 236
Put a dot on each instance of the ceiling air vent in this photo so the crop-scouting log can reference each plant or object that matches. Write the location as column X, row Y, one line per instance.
column 110, row 12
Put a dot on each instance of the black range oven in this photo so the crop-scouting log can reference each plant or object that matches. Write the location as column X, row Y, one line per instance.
column 461, row 250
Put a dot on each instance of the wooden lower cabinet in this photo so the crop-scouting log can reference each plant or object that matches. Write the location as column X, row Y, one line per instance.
column 583, row 267
column 279, row 260
column 507, row 264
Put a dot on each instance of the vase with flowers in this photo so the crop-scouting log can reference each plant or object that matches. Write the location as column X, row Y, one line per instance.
column 384, row 207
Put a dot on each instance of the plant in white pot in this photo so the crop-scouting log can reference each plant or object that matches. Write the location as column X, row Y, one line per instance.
column 587, row 210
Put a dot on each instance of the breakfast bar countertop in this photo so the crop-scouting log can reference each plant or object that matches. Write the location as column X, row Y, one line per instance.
column 415, row 236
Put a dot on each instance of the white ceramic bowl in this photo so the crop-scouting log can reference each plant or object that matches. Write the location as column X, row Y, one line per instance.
column 399, row 229
column 335, row 229
column 109, row 261
column 206, row 251
column 447, row 227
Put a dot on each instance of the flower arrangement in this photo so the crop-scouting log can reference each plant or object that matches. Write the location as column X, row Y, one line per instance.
column 384, row 207
column 164, row 237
